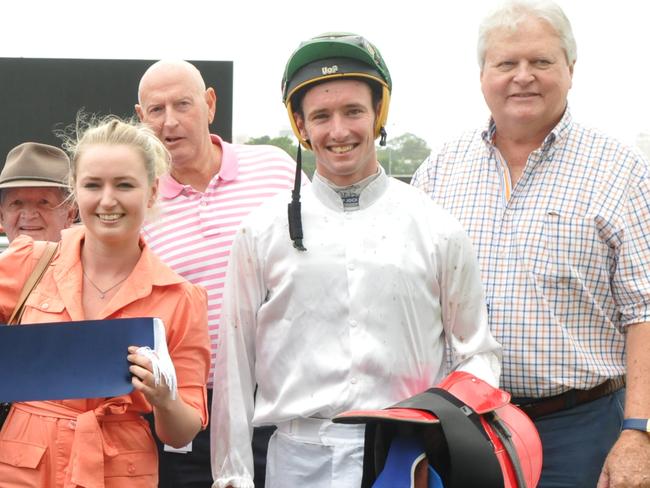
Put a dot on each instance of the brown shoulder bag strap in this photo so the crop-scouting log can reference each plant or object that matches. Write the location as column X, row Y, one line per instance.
column 32, row 281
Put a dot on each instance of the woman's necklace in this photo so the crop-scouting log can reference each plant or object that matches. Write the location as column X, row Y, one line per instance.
column 102, row 293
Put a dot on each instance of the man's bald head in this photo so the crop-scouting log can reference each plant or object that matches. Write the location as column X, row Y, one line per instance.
column 174, row 102
column 176, row 68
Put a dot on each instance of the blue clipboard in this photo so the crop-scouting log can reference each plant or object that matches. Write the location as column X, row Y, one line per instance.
column 70, row 360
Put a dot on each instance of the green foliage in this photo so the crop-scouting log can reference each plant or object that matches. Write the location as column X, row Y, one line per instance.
column 290, row 146
column 401, row 156
column 283, row 142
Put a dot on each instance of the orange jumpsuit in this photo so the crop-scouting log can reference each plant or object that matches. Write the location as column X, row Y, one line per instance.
column 103, row 442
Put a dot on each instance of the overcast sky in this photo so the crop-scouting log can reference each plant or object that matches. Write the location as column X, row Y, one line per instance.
column 428, row 45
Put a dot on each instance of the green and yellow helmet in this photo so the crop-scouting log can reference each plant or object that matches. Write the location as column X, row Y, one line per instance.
column 330, row 56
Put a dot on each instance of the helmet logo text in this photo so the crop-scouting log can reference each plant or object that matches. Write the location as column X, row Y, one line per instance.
column 329, row 70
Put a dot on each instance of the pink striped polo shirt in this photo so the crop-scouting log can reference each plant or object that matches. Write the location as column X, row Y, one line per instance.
column 193, row 230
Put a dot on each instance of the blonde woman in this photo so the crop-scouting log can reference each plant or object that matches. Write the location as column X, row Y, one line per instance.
column 104, row 270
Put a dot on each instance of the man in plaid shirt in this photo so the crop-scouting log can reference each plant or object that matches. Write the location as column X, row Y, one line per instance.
column 560, row 218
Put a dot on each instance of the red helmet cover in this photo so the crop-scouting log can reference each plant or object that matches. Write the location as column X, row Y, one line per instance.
column 512, row 434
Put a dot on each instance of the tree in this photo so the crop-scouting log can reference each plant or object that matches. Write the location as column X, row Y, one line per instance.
column 403, row 154
column 291, row 148
column 283, row 142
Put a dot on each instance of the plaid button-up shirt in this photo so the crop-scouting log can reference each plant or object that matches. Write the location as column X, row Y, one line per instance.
column 565, row 254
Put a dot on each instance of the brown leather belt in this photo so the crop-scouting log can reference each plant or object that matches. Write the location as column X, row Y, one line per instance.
column 569, row 399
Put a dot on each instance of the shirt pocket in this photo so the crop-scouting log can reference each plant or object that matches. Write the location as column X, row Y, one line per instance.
column 571, row 269
column 571, row 246
column 21, row 454
column 137, row 454
column 42, row 308
column 131, row 464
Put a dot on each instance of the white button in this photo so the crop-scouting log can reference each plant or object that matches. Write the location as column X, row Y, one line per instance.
column 353, row 381
column 350, row 267
column 45, row 305
column 353, row 323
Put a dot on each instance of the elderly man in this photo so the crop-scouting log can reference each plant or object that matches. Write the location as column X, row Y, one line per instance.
column 210, row 187
column 34, row 192
column 560, row 216
column 377, row 294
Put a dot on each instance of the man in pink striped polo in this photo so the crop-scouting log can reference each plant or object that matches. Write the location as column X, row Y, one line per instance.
column 211, row 186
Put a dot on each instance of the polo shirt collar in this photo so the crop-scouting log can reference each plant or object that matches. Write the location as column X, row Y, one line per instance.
column 229, row 162
column 170, row 188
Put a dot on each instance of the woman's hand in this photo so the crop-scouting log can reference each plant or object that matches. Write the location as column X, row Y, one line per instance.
column 176, row 422
column 144, row 382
